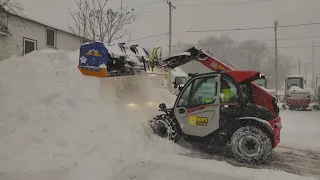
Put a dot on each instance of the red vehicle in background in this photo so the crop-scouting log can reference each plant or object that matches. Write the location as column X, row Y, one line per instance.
column 297, row 97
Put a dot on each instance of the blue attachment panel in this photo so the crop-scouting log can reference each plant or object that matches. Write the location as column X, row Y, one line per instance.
column 92, row 55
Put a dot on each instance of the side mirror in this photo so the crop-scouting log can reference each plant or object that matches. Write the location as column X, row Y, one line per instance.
column 180, row 88
column 162, row 106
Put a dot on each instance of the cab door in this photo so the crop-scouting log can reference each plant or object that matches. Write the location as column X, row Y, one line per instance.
column 197, row 108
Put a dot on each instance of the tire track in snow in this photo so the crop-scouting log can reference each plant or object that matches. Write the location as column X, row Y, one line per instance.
column 295, row 161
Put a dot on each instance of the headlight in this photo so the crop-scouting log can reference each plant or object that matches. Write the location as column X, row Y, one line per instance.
column 132, row 105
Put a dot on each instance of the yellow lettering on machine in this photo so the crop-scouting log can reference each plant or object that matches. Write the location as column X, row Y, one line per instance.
column 200, row 121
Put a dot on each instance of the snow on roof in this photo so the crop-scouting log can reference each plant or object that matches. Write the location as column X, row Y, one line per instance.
column 295, row 76
column 26, row 15
column 178, row 72
column 298, row 89
column 115, row 50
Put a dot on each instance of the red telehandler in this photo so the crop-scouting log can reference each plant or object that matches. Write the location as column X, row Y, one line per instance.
column 220, row 108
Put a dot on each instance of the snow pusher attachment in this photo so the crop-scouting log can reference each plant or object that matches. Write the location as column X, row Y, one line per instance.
column 220, row 108
column 93, row 59
column 100, row 60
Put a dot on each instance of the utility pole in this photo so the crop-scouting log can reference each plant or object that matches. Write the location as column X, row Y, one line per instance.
column 121, row 6
column 299, row 67
column 170, row 36
column 276, row 54
column 313, row 80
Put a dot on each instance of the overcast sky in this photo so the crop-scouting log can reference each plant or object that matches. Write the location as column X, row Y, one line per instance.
column 154, row 21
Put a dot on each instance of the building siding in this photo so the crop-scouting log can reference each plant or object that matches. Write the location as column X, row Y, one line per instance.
column 13, row 45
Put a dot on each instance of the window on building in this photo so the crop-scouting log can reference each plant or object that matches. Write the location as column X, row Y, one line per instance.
column 51, row 37
column 29, row 45
column 3, row 21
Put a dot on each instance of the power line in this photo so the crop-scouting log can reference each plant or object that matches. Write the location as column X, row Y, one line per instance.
column 296, row 25
column 145, row 4
column 252, row 28
column 281, row 39
column 157, row 41
column 289, row 47
column 237, row 29
column 151, row 11
column 199, row 5
column 228, row 3
column 147, row 37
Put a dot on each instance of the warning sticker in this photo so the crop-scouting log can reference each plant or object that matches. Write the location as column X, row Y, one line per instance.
column 199, row 121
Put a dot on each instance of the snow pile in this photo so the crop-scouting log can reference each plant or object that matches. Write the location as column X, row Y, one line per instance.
column 56, row 123
column 52, row 118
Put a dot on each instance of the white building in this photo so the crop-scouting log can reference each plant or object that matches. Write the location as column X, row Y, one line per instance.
column 20, row 35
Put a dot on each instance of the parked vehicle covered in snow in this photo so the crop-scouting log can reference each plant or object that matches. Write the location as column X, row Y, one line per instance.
column 264, row 83
column 296, row 95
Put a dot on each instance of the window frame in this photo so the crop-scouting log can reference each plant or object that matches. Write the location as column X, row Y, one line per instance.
column 192, row 93
column 5, row 21
column 31, row 40
column 236, row 85
column 54, row 38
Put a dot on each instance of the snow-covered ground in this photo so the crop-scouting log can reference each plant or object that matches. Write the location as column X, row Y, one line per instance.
column 301, row 129
column 58, row 124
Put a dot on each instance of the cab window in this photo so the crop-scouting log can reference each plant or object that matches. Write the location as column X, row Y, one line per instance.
column 201, row 91
column 228, row 91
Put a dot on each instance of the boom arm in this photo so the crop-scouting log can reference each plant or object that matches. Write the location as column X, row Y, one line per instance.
column 197, row 55
column 259, row 95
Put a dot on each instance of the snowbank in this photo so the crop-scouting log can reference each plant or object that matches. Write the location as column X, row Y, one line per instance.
column 56, row 123
column 54, row 119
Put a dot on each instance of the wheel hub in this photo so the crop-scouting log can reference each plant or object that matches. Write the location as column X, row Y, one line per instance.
column 249, row 145
column 163, row 129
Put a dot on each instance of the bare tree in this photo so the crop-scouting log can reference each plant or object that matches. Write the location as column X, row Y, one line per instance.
column 253, row 54
column 93, row 20
column 7, row 9
column 11, row 6
column 285, row 66
column 218, row 46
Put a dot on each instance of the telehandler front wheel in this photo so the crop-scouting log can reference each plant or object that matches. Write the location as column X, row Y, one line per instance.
column 250, row 144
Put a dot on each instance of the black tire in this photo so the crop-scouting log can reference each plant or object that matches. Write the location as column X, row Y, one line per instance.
column 316, row 107
column 291, row 107
column 165, row 127
column 250, row 133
